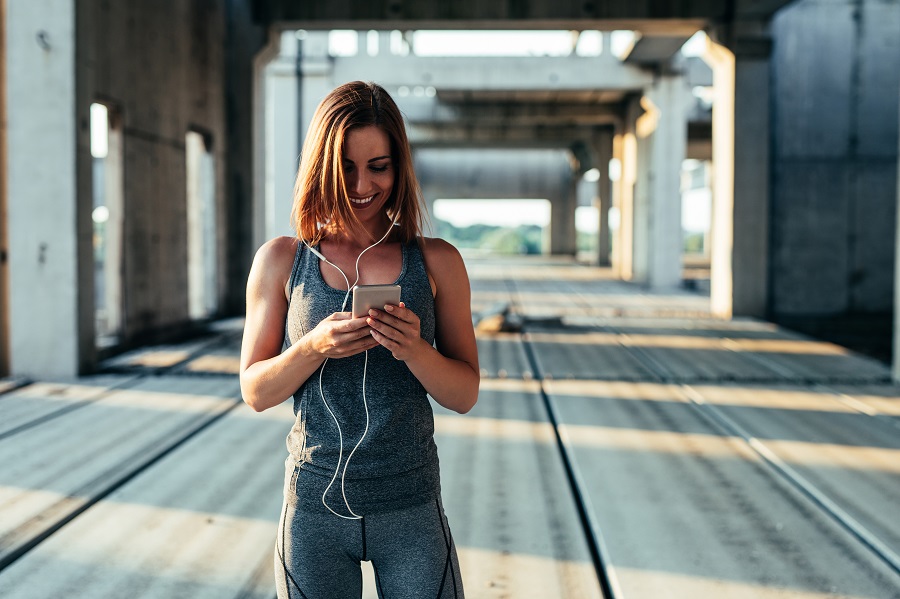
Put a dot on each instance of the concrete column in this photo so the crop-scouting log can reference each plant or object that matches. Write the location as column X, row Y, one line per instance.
column 751, row 177
column 662, row 142
column 315, row 83
column 50, row 292
column 896, row 360
column 563, row 234
column 721, row 60
column 4, row 245
column 262, row 167
column 625, row 151
column 740, row 255
column 282, row 135
column 317, row 73
column 641, row 207
column 603, row 150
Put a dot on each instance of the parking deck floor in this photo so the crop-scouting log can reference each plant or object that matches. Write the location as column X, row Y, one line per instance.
column 624, row 444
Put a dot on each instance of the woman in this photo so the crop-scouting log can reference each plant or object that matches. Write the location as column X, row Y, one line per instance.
column 362, row 479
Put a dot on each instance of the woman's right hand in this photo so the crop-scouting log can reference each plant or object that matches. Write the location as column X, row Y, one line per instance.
column 340, row 336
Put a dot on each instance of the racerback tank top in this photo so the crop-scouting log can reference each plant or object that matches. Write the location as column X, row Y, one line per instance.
column 396, row 465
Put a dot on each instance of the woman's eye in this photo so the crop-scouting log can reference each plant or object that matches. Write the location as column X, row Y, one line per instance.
column 378, row 169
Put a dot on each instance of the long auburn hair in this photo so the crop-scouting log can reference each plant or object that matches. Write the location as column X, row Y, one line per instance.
column 321, row 203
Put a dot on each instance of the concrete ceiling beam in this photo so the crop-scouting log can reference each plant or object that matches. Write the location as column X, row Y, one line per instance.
column 489, row 73
column 510, row 113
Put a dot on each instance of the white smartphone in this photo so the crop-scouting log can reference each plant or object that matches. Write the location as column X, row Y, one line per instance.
column 366, row 297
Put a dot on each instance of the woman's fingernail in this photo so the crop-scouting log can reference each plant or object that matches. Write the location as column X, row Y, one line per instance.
column 389, row 308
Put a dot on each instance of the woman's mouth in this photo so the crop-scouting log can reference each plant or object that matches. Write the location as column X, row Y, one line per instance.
column 362, row 201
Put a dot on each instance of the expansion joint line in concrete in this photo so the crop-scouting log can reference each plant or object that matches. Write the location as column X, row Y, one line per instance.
column 105, row 392
column 609, row 584
column 731, row 428
column 10, row 555
column 859, row 406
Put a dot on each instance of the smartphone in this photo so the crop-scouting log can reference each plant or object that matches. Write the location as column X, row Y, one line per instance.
column 366, row 297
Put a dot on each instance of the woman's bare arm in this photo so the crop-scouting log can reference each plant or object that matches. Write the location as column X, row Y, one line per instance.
column 268, row 377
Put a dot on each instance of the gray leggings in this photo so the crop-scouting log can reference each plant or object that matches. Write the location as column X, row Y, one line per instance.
column 317, row 554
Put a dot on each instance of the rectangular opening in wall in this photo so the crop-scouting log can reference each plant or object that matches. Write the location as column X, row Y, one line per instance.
column 201, row 226
column 108, row 217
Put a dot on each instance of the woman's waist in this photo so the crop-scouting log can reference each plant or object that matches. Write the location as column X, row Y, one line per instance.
column 307, row 483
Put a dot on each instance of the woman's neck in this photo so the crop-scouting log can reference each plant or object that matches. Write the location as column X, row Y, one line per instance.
column 368, row 235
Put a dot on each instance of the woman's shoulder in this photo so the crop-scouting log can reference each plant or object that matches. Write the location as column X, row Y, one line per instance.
column 275, row 258
column 440, row 251
column 441, row 257
column 277, row 250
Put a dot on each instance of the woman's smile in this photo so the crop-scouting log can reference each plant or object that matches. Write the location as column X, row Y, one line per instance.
column 362, row 201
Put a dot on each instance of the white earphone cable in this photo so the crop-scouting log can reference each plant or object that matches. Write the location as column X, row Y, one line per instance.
column 354, row 516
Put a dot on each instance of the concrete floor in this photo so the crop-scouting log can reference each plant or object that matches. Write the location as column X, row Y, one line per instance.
column 620, row 432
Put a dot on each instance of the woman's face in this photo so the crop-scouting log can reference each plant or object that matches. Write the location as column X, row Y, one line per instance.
column 368, row 169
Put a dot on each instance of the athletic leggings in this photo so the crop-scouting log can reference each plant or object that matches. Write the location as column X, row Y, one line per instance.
column 317, row 554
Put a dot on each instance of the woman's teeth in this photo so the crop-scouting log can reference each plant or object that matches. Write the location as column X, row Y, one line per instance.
column 362, row 200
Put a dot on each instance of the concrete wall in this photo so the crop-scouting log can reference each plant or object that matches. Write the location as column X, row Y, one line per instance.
column 834, row 114
column 170, row 68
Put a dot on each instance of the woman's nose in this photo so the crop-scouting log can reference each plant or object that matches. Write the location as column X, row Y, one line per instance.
column 358, row 183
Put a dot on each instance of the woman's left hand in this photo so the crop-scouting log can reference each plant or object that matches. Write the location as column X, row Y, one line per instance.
column 397, row 328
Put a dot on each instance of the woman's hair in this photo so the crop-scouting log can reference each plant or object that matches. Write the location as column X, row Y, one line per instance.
column 320, row 192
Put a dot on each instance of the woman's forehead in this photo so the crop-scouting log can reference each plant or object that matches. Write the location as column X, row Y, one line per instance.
column 366, row 142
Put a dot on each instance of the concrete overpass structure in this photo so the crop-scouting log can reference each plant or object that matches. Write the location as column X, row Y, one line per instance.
column 804, row 147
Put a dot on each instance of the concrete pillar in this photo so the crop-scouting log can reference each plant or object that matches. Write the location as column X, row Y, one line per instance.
column 384, row 43
column 625, row 152
column 741, row 137
column 362, row 43
column 262, row 167
column 896, row 360
column 282, row 135
column 603, row 150
column 50, row 280
column 316, row 69
column 751, row 177
column 641, row 207
column 721, row 60
column 4, row 246
column 661, row 142
column 563, row 234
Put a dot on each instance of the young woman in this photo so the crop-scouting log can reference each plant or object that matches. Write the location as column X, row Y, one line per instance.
column 362, row 479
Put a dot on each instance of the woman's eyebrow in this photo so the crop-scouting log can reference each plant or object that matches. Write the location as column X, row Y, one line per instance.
column 379, row 158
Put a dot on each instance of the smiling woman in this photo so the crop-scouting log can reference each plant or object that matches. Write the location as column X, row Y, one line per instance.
column 360, row 383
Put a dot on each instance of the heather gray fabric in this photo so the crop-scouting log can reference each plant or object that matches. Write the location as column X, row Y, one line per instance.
column 396, row 465
column 318, row 555
column 393, row 480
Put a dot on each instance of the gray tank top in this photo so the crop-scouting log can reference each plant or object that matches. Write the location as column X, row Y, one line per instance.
column 396, row 465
